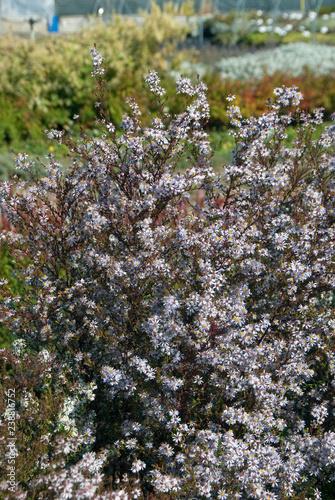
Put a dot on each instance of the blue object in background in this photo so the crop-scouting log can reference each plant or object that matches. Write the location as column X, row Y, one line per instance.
column 54, row 24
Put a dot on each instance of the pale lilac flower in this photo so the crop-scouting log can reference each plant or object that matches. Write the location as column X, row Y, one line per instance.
column 138, row 465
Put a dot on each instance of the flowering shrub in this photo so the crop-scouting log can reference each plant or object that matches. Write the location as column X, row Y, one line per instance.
column 187, row 350
column 46, row 82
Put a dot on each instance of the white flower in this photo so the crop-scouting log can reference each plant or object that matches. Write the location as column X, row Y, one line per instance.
column 138, row 465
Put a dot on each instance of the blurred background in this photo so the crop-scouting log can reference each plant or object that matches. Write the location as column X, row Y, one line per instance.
column 69, row 15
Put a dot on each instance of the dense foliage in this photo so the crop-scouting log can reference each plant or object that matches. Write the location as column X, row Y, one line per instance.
column 165, row 349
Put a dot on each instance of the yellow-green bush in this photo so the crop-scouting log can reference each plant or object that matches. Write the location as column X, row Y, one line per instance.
column 44, row 83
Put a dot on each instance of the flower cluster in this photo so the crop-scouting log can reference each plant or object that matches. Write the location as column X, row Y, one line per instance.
column 192, row 346
column 97, row 61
